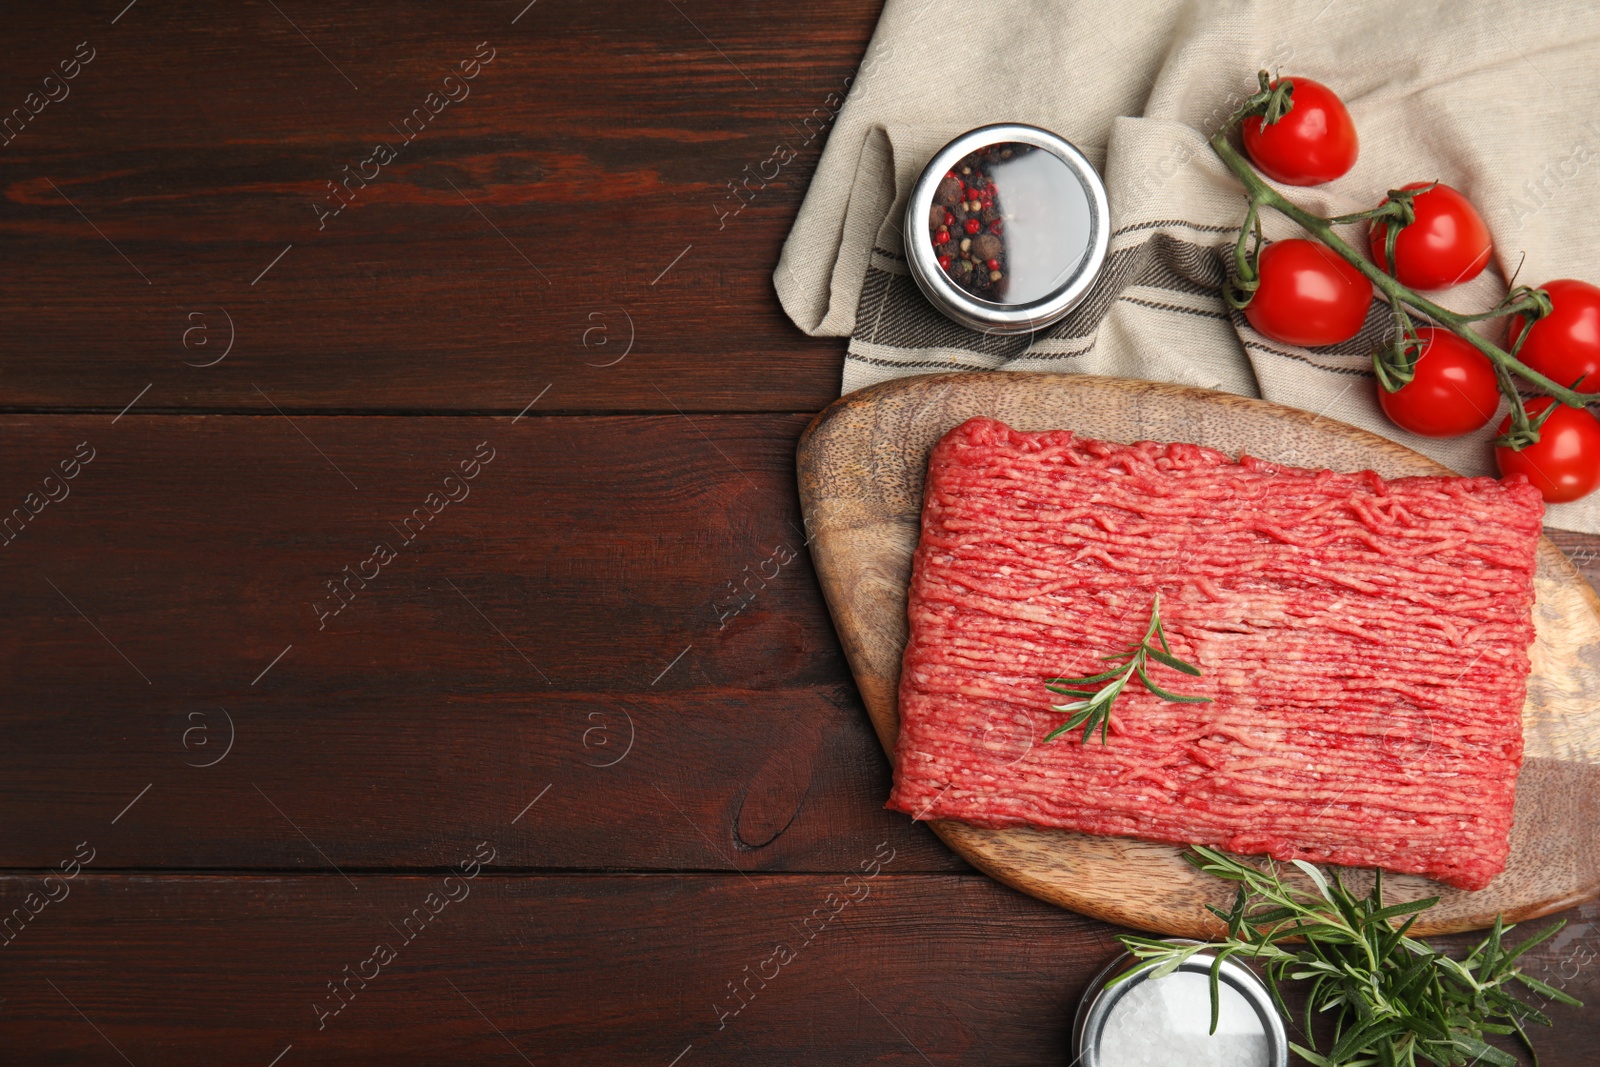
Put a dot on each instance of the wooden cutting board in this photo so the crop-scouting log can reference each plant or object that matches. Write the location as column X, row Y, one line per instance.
column 861, row 468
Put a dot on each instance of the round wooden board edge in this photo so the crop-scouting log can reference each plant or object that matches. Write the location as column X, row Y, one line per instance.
column 953, row 834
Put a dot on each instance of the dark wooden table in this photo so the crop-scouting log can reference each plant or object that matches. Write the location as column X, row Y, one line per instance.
column 519, row 785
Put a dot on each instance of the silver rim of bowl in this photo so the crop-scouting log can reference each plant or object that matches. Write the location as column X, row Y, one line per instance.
column 1095, row 1008
column 984, row 315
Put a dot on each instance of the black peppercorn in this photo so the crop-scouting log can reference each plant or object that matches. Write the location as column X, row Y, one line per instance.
column 986, row 246
column 967, row 197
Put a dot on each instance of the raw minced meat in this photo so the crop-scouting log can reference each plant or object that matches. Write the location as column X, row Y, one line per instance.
column 1364, row 643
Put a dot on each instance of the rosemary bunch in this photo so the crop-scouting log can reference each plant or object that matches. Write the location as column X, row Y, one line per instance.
column 1394, row 1000
column 1093, row 708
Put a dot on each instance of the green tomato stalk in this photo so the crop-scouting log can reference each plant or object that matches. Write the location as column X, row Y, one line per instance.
column 1394, row 363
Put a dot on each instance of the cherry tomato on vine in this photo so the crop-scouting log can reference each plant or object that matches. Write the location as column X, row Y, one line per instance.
column 1454, row 390
column 1447, row 244
column 1564, row 464
column 1309, row 295
column 1314, row 143
column 1565, row 343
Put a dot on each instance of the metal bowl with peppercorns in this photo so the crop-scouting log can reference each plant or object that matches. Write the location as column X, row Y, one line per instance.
column 1006, row 228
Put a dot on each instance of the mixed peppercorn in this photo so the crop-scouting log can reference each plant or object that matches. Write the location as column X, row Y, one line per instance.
column 966, row 224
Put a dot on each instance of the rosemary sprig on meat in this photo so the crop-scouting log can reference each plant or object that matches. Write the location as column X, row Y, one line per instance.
column 1394, row 999
column 1093, row 708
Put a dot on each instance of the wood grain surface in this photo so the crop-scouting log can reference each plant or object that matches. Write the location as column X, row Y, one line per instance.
column 522, row 237
column 607, row 612
column 265, row 392
column 861, row 468
column 567, row 969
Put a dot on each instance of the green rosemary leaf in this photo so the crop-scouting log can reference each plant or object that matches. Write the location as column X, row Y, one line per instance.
column 1394, row 911
column 1428, row 1029
column 1546, row 990
column 1113, row 690
column 1365, row 1036
column 1316, row 876
column 1161, row 635
column 1086, row 713
column 1456, row 970
column 1521, row 1012
column 1272, row 915
column 1490, row 948
column 1083, row 713
column 1069, row 692
column 1216, row 994
column 1393, row 941
column 1482, row 1052
column 1311, row 1057
column 1154, row 629
column 1172, row 661
column 1105, row 729
column 1090, row 680
column 1421, row 967
column 1236, row 917
column 1058, row 731
column 1169, row 955
column 1311, row 1002
column 1169, row 966
column 1538, row 938
column 1173, row 698
column 1213, row 862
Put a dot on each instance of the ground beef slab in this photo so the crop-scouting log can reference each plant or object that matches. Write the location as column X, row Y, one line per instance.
column 1364, row 643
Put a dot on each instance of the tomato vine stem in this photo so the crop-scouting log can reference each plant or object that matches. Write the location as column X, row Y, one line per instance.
column 1241, row 287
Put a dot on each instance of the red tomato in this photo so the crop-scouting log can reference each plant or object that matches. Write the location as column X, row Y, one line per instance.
column 1314, row 143
column 1454, row 390
column 1447, row 244
column 1565, row 343
column 1565, row 462
column 1308, row 295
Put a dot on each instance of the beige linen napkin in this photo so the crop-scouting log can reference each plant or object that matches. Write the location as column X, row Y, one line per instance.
column 1499, row 99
